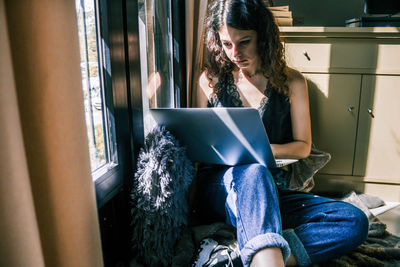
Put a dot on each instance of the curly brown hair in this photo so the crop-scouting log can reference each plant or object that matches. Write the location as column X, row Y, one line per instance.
column 245, row 15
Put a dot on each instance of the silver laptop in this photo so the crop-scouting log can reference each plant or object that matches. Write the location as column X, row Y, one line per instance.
column 228, row 136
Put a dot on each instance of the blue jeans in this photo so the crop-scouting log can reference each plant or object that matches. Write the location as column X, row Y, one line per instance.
column 314, row 229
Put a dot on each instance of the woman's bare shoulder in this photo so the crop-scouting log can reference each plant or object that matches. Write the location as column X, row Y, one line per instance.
column 296, row 81
column 294, row 75
column 207, row 84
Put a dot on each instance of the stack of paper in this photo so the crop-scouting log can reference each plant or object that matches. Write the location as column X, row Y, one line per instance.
column 283, row 16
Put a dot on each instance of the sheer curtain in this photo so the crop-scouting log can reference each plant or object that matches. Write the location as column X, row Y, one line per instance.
column 47, row 201
column 196, row 11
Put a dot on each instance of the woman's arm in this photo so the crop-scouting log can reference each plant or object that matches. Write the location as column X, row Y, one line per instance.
column 301, row 123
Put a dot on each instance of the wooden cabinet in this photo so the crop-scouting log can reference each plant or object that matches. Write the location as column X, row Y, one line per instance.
column 354, row 86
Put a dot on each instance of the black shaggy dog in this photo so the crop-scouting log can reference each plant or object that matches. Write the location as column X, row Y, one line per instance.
column 160, row 197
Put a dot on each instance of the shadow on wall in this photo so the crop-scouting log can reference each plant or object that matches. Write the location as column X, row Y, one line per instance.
column 334, row 112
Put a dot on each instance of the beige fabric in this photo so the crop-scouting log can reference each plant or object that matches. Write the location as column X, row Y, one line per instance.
column 196, row 11
column 20, row 244
column 48, row 207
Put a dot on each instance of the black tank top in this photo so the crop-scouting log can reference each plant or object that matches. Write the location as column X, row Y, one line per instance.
column 274, row 108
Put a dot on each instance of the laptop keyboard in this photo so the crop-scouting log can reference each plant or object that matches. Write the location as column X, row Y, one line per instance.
column 284, row 162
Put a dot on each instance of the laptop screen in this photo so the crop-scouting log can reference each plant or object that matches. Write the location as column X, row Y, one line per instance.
column 228, row 136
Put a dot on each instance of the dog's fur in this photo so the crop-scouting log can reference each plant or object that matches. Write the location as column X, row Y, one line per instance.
column 159, row 197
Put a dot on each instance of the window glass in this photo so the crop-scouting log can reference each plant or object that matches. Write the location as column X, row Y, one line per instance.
column 99, row 122
column 156, row 53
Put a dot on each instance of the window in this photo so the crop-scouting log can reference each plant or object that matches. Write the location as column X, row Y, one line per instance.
column 106, row 95
column 162, row 65
column 156, row 52
column 99, row 122
column 128, row 49
column 111, row 89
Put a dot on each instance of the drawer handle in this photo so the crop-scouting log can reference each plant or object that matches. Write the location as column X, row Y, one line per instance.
column 350, row 109
column 306, row 55
column 370, row 113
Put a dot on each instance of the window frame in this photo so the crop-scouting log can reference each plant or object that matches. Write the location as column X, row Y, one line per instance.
column 118, row 29
column 111, row 179
column 179, row 52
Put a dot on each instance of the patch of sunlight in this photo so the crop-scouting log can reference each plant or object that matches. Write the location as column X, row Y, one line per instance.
column 228, row 121
column 388, row 57
column 321, row 82
column 384, row 140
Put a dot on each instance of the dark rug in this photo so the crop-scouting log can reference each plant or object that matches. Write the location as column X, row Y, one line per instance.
column 380, row 249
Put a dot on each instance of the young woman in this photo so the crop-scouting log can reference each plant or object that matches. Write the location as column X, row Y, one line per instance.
column 275, row 226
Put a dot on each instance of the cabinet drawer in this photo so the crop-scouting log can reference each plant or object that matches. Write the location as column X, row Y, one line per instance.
column 342, row 55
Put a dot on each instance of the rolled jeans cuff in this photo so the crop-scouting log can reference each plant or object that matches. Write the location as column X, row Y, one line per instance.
column 264, row 241
column 297, row 248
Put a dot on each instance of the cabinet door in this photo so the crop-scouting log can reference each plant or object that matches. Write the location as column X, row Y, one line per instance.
column 378, row 142
column 334, row 101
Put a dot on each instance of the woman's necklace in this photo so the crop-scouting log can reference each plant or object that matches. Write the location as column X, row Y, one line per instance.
column 246, row 75
column 257, row 83
column 242, row 76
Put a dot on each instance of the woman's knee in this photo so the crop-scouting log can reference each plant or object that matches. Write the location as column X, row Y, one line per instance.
column 254, row 185
column 362, row 224
column 343, row 227
column 356, row 225
column 254, row 175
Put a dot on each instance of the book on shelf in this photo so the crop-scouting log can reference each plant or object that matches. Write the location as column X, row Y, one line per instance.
column 284, row 21
column 278, row 8
column 282, row 14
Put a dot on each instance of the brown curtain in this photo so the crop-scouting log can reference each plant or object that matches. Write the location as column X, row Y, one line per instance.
column 196, row 11
column 47, row 201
